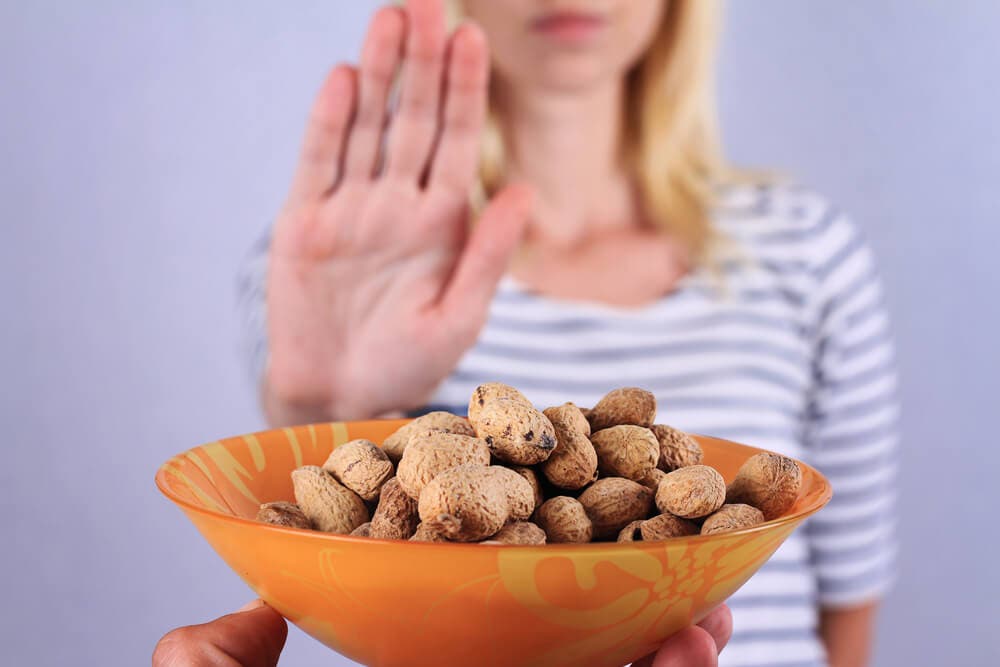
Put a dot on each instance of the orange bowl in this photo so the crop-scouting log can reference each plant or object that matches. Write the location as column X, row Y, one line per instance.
column 386, row 602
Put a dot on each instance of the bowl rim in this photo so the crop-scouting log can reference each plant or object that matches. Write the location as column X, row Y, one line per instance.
column 826, row 493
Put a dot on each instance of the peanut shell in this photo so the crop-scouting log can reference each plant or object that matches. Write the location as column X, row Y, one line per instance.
column 691, row 492
column 517, row 490
column 564, row 519
column 536, row 486
column 433, row 452
column 732, row 517
column 485, row 393
column 626, row 451
column 519, row 532
column 396, row 516
column 467, row 503
column 331, row 506
column 665, row 526
column 395, row 444
column 426, row 534
column 361, row 466
column 628, row 405
column 631, row 532
column 614, row 502
column 570, row 415
column 364, row 530
column 573, row 463
column 516, row 432
column 770, row 482
column 283, row 513
column 653, row 479
column 677, row 448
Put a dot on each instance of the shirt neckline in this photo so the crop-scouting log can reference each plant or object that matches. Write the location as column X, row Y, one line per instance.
column 512, row 286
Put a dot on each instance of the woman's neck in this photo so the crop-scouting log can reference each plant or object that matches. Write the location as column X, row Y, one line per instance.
column 568, row 146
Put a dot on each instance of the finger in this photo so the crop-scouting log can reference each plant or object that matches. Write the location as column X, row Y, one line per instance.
column 380, row 57
column 251, row 638
column 454, row 163
column 719, row 624
column 322, row 147
column 487, row 254
column 691, row 647
column 415, row 123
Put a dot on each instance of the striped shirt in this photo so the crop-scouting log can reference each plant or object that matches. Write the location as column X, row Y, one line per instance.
column 789, row 349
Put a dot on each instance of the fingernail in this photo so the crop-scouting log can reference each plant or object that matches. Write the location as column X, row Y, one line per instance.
column 250, row 606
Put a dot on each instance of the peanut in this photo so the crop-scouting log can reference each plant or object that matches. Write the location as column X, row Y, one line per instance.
column 486, row 393
column 677, row 448
column 732, row 517
column 564, row 519
column 571, row 415
column 653, row 479
column 283, row 513
column 769, row 482
column 518, row 532
column 517, row 489
column 361, row 466
column 573, row 463
column 626, row 451
column 691, row 492
column 432, row 452
column 628, row 405
column 614, row 502
column 664, row 526
column 426, row 534
column 660, row 527
column 631, row 532
column 364, row 530
column 446, row 422
column 330, row 506
column 536, row 486
column 516, row 432
column 396, row 516
column 468, row 503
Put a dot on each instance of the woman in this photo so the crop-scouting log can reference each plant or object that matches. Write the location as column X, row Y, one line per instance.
column 613, row 248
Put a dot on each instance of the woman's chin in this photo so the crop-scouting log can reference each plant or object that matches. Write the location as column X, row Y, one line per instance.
column 569, row 73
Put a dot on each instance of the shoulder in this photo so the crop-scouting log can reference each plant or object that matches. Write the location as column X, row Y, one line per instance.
column 786, row 223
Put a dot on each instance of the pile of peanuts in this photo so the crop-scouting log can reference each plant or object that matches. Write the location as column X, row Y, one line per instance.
column 511, row 474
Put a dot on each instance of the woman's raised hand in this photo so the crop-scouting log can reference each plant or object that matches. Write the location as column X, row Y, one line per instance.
column 377, row 284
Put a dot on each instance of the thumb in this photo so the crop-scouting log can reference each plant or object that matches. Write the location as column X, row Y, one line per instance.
column 251, row 637
column 487, row 254
column 696, row 646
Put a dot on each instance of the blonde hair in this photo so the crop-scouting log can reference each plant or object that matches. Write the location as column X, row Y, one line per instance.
column 672, row 146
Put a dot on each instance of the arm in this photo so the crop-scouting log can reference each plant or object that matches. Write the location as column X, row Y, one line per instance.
column 847, row 634
column 853, row 440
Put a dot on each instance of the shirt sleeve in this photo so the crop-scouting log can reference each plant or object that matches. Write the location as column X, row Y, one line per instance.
column 252, row 307
column 852, row 434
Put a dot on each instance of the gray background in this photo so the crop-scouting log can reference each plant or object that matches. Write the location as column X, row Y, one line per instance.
column 145, row 145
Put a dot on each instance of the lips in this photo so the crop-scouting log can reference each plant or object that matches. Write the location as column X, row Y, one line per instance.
column 569, row 25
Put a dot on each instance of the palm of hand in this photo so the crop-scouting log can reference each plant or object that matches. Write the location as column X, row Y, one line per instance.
column 376, row 286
